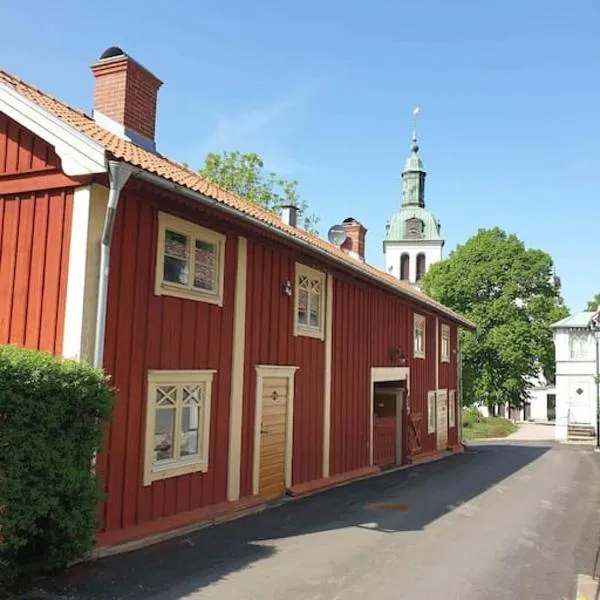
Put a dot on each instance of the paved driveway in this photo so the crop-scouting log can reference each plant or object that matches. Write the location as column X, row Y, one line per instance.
column 510, row 520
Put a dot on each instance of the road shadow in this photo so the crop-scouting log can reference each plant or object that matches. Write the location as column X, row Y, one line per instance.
column 392, row 503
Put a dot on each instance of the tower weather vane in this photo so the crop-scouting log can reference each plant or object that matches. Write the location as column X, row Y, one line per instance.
column 415, row 114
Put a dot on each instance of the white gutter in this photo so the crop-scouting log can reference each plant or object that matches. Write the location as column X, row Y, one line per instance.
column 118, row 174
column 198, row 197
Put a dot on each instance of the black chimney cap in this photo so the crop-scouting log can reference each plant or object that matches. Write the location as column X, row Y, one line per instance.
column 112, row 52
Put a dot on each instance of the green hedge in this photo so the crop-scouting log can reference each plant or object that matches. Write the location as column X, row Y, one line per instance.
column 52, row 417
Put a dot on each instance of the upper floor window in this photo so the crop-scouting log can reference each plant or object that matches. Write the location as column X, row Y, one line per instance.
column 445, row 344
column 404, row 267
column 578, row 344
column 419, row 336
column 421, row 264
column 309, row 302
column 190, row 260
column 177, row 423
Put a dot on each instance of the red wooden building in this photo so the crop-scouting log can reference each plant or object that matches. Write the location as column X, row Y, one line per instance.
column 251, row 358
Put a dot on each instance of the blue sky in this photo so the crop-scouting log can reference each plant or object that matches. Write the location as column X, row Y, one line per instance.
column 509, row 92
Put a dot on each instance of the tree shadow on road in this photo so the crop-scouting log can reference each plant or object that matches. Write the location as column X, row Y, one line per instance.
column 394, row 502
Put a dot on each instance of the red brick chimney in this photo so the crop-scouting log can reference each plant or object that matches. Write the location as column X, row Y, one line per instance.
column 355, row 240
column 125, row 96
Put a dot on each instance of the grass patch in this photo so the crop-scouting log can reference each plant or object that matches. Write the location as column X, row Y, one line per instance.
column 477, row 427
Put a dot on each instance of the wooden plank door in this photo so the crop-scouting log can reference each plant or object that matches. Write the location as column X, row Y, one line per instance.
column 442, row 419
column 273, row 432
column 386, row 429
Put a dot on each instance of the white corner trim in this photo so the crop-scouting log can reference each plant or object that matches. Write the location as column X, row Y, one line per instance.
column 80, row 155
column 237, row 374
column 327, row 391
column 263, row 371
column 74, row 305
column 381, row 374
column 437, row 353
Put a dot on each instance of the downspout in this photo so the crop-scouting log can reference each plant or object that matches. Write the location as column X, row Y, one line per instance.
column 118, row 174
column 459, row 368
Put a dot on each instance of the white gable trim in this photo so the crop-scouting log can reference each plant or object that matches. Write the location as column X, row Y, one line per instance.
column 79, row 154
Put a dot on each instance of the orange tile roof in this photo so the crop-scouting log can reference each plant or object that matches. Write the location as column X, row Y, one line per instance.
column 172, row 171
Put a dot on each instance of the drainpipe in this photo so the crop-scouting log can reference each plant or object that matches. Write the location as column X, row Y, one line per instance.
column 118, row 174
column 459, row 368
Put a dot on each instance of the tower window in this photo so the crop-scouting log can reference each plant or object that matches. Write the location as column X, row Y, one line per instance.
column 404, row 266
column 420, row 266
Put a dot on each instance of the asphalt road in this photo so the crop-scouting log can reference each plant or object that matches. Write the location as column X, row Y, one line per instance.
column 504, row 520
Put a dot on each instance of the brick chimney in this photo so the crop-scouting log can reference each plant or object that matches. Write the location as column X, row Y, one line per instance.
column 125, row 96
column 355, row 240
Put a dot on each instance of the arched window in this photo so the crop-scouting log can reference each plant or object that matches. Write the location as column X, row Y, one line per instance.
column 420, row 266
column 404, row 265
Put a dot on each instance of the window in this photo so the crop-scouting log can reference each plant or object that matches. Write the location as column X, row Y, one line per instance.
column 452, row 408
column 430, row 412
column 189, row 261
column 420, row 266
column 419, row 336
column 445, row 349
column 404, row 267
column 309, row 302
column 578, row 344
column 177, row 423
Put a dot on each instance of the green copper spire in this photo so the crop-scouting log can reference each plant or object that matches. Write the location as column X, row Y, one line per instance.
column 413, row 221
column 413, row 176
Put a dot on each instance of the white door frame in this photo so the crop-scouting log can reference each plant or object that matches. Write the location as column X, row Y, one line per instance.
column 381, row 375
column 263, row 372
column 441, row 396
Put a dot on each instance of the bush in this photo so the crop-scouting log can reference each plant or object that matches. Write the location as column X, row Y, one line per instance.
column 52, row 416
column 471, row 416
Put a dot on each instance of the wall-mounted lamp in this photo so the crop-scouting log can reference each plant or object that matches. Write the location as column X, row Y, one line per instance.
column 286, row 288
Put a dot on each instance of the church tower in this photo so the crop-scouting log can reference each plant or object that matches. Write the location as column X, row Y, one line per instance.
column 412, row 239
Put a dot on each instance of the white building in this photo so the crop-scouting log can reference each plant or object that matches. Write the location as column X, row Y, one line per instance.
column 576, row 355
column 540, row 405
column 412, row 238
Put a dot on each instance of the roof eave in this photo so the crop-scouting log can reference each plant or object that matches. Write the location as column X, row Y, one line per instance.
column 79, row 154
column 207, row 200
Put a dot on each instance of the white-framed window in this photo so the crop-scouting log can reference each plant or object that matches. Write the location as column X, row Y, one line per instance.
column 419, row 336
column 309, row 302
column 578, row 344
column 177, row 423
column 190, row 260
column 445, row 344
column 452, row 408
column 431, row 405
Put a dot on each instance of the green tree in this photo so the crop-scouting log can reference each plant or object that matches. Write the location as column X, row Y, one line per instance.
column 510, row 293
column 244, row 175
column 594, row 303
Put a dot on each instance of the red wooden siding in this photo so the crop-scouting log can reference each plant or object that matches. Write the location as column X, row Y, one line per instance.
column 371, row 328
column 270, row 341
column 22, row 152
column 448, row 378
column 35, row 232
column 144, row 332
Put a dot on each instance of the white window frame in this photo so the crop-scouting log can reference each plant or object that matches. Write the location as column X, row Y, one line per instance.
column 193, row 232
column 306, row 330
column 419, row 323
column 185, row 465
column 578, row 344
column 445, row 352
column 452, row 408
column 431, row 411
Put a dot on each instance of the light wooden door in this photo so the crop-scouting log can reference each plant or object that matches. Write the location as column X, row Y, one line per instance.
column 273, row 432
column 442, row 419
